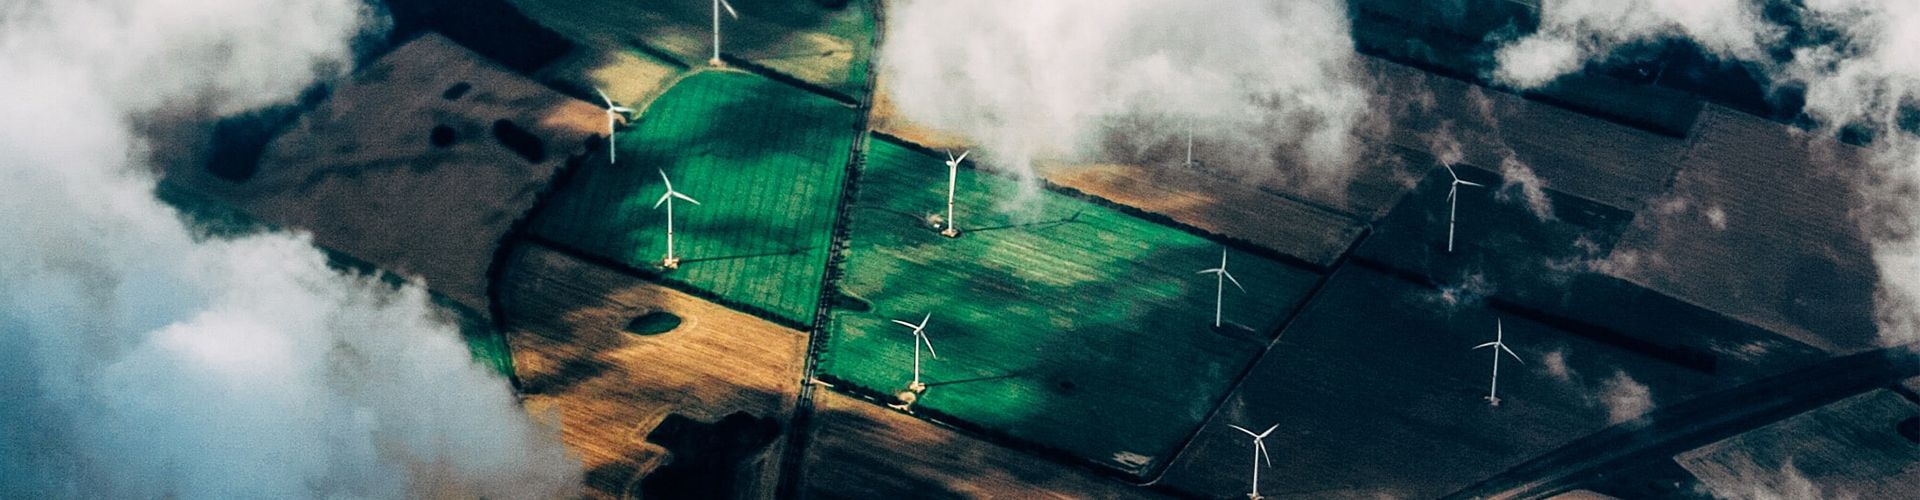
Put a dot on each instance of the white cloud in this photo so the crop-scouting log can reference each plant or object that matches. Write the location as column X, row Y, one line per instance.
column 1268, row 87
column 145, row 364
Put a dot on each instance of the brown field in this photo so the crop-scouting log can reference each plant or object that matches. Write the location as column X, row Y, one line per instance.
column 1218, row 206
column 863, row 450
column 633, row 79
column 360, row 173
column 1578, row 154
column 1847, row 449
column 795, row 38
column 610, row 388
column 1758, row 227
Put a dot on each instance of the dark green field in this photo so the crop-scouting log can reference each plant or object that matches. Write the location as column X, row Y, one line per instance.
column 1070, row 325
column 766, row 162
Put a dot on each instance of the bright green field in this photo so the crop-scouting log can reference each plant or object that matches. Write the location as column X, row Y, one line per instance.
column 1077, row 327
column 766, row 162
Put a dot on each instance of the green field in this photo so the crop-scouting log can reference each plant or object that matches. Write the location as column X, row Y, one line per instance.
column 1068, row 325
column 766, row 162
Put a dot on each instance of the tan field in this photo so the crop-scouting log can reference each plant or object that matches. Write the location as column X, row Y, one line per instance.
column 815, row 45
column 863, row 450
column 631, row 78
column 1219, row 206
column 609, row 389
column 362, row 174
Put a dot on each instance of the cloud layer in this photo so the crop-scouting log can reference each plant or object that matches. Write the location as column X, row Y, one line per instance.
column 1265, row 87
column 145, row 363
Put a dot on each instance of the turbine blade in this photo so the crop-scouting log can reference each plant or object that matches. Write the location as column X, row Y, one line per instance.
column 622, row 109
column 1236, row 283
column 929, row 342
column 1269, row 430
column 949, row 153
column 906, row 324
column 663, row 178
column 1516, row 357
column 1456, row 177
column 1214, row 270
column 729, row 7
column 1261, row 447
column 689, row 199
column 1243, row 429
column 603, row 97
column 923, row 321
column 1471, row 183
column 1486, row 345
column 663, row 199
column 963, row 156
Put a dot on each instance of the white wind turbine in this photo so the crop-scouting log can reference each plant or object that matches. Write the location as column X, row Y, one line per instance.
column 717, row 5
column 953, row 178
column 1453, row 201
column 615, row 115
column 1499, row 345
column 1259, row 454
column 919, row 339
column 1221, row 277
column 1190, row 163
column 671, row 261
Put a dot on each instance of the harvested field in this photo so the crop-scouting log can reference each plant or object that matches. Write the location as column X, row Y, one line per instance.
column 1553, row 269
column 1377, row 392
column 611, row 390
column 1044, row 320
column 1759, row 227
column 1850, row 449
column 363, row 174
column 827, row 47
column 1574, row 153
column 862, row 450
column 766, row 162
column 630, row 77
column 1219, row 206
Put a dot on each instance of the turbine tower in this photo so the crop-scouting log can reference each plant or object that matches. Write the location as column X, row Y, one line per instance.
column 1453, row 201
column 919, row 339
column 671, row 261
column 615, row 114
column 1221, row 277
column 953, row 178
column 1259, row 454
column 1499, row 345
column 717, row 5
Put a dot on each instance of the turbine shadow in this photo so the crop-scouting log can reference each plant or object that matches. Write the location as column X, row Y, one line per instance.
column 1008, row 375
column 776, row 253
column 1071, row 219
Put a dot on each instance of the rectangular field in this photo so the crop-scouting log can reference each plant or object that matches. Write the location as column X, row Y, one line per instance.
column 612, row 390
column 766, row 162
column 1058, row 321
column 1377, row 393
column 827, row 47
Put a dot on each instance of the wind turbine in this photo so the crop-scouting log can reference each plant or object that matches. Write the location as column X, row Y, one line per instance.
column 717, row 5
column 1221, row 277
column 615, row 114
column 953, row 178
column 1499, row 345
column 1259, row 454
column 919, row 338
column 1190, row 163
column 671, row 261
column 1453, row 201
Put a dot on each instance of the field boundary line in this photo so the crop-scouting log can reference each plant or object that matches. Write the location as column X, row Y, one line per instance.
column 791, row 482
